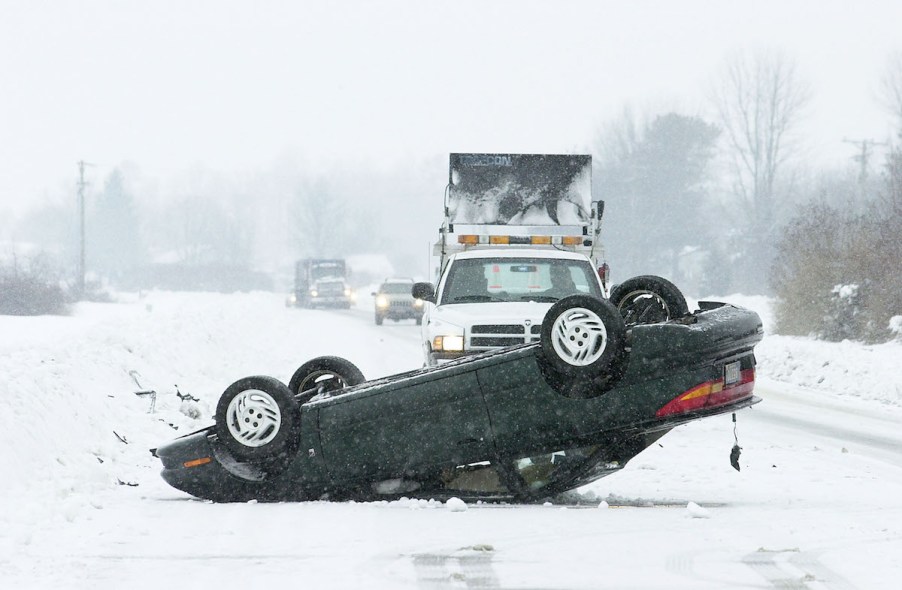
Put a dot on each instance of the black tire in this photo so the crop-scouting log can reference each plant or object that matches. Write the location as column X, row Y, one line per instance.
column 379, row 319
column 419, row 320
column 648, row 299
column 257, row 418
column 323, row 374
column 582, row 337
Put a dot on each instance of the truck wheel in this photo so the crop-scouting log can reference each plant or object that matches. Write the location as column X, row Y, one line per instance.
column 321, row 375
column 648, row 299
column 257, row 418
column 582, row 337
column 379, row 319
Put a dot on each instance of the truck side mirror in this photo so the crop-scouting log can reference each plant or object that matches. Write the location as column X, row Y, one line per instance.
column 424, row 291
column 599, row 210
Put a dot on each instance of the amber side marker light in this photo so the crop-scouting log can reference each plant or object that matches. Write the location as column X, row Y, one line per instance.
column 197, row 462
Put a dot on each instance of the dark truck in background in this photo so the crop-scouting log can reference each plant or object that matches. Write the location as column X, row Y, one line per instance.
column 321, row 282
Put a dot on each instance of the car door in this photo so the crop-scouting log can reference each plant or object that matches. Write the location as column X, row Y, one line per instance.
column 404, row 427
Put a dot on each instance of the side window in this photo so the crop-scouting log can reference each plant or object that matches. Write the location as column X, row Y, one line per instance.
column 580, row 280
column 539, row 471
column 475, row 477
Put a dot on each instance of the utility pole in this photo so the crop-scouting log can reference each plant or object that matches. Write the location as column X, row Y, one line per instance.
column 80, row 275
column 867, row 146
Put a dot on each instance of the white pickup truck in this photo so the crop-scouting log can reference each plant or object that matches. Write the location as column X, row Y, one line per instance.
column 520, row 233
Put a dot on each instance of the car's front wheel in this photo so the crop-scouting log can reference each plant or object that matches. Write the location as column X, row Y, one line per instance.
column 257, row 418
column 648, row 299
column 582, row 337
column 321, row 375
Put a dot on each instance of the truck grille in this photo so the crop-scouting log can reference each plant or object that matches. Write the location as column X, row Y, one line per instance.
column 489, row 336
column 329, row 289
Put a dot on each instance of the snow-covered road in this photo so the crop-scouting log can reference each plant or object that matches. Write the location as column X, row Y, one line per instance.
column 817, row 504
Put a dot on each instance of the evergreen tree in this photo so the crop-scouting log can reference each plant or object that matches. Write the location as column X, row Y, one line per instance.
column 655, row 184
column 114, row 245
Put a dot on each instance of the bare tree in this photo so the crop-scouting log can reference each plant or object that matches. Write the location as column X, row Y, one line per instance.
column 891, row 88
column 321, row 221
column 760, row 99
column 892, row 97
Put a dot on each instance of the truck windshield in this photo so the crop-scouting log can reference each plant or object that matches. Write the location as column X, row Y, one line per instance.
column 518, row 279
column 327, row 270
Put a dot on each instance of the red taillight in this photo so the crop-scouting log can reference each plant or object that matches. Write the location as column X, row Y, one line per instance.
column 710, row 394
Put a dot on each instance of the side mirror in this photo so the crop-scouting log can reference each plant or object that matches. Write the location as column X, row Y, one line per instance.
column 599, row 209
column 604, row 273
column 424, row 291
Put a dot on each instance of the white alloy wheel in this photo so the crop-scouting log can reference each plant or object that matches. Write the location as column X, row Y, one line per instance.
column 579, row 336
column 253, row 418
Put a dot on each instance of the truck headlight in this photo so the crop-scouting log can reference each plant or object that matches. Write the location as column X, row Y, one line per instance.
column 448, row 343
column 347, row 292
column 381, row 301
column 418, row 303
column 313, row 293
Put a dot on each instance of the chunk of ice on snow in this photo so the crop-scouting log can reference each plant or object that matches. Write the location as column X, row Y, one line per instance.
column 696, row 511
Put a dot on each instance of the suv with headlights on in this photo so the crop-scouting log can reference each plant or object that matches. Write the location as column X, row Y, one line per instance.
column 394, row 301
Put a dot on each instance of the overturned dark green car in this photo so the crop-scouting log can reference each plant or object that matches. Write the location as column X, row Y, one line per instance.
column 606, row 380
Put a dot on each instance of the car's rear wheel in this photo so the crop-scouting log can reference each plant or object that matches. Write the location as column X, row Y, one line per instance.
column 257, row 418
column 582, row 337
column 322, row 375
column 648, row 299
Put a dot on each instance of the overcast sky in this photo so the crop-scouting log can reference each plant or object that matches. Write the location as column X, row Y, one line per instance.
column 235, row 85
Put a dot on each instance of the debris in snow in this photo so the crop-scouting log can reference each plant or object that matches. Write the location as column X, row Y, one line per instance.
column 185, row 396
column 696, row 511
column 126, row 483
column 456, row 505
column 143, row 392
column 191, row 409
column 120, row 437
column 189, row 406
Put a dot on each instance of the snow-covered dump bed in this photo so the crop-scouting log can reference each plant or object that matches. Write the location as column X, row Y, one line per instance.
column 519, row 189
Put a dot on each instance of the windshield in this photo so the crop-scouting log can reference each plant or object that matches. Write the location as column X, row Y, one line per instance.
column 327, row 270
column 396, row 288
column 518, row 279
